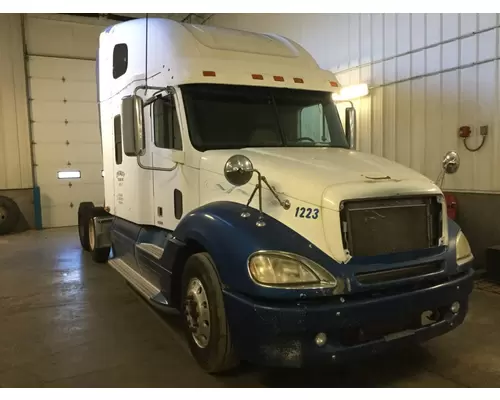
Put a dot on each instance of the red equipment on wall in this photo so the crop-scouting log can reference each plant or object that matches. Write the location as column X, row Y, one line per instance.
column 451, row 205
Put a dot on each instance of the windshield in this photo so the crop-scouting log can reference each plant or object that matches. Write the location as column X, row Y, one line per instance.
column 234, row 117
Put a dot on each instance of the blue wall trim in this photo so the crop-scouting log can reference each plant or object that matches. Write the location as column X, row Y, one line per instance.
column 37, row 204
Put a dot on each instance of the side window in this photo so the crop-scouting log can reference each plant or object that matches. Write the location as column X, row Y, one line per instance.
column 313, row 124
column 117, row 128
column 120, row 60
column 167, row 132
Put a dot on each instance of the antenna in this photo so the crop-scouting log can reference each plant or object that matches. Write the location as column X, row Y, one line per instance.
column 147, row 24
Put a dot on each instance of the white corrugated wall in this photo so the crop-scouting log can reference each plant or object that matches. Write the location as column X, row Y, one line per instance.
column 429, row 74
column 15, row 149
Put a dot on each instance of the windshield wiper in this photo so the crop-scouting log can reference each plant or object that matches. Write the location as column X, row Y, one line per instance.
column 278, row 118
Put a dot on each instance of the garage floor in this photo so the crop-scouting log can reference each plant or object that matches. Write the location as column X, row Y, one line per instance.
column 66, row 321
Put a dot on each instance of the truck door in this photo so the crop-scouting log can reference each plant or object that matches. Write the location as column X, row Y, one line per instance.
column 170, row 187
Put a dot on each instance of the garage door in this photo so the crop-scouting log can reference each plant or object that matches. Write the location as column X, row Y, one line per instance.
column 64, row 117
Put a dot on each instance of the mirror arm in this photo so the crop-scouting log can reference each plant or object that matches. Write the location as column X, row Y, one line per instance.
column 283, row 203
column 156, row 95
column 155, row 168
column 353, row 123
column 158, row 89
column 146, row 87
column 245, row 214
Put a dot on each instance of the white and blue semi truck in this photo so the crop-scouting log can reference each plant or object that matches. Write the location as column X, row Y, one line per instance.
column 234, row 194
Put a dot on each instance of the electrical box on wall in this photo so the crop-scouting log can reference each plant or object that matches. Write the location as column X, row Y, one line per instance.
column 464, row 131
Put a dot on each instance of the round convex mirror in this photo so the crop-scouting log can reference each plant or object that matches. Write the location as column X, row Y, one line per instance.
column 238, row 170
column 451, row 162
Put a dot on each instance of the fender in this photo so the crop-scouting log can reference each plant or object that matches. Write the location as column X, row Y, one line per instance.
column 451, row 256
column 230, row 239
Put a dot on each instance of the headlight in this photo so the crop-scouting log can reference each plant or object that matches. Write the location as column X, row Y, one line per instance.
column 464, row 253
column 284, row 269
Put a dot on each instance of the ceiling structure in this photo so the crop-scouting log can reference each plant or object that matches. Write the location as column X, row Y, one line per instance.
column 193, row 18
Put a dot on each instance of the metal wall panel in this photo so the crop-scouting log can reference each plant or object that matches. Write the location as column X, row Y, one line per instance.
column 429, row 74
column 15, row 151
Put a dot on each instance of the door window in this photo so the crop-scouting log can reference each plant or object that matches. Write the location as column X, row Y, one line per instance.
column 167, row 132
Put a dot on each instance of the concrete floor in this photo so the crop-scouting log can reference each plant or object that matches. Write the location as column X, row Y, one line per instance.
column 66, row 321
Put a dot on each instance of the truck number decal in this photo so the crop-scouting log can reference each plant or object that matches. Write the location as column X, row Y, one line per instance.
column 302, row 212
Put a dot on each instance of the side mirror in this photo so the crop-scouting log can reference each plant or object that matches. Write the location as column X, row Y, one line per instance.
column 132, row 115
column 350, row 122
column 451, row 162
column 238, row 170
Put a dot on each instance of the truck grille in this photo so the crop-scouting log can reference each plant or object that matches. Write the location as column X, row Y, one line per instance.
column 394, row 274
column 384, row 226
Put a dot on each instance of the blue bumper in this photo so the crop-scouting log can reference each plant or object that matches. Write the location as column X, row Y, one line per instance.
column 282, row 334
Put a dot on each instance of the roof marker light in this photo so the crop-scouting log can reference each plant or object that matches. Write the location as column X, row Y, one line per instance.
column 298, row 80
column 208, row 73
column 279, row 78
column 258, row 76
column 334, row 84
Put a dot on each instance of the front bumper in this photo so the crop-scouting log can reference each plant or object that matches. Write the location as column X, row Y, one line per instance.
column 283, row 334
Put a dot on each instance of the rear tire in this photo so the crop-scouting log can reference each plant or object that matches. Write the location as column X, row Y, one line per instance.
column 203, row 306
column 84, row 215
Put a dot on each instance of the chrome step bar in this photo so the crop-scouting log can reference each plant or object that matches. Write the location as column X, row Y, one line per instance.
column 143, row 286
column 152, row 249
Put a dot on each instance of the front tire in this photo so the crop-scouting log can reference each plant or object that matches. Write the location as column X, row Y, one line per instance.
column 205, row 322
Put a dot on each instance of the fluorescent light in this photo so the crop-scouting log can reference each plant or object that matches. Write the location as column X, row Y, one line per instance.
column 69, row 175
column 351, row 92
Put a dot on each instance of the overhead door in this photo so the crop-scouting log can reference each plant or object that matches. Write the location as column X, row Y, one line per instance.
column 64, row 117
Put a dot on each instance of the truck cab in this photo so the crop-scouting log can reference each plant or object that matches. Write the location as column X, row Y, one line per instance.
column 234, row 195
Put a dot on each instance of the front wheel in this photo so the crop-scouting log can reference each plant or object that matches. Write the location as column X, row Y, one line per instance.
column 205, row 321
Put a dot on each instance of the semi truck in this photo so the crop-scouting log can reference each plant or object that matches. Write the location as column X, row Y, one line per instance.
column 234, row 195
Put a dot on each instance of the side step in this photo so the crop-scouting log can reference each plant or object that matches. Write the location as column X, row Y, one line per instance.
column 151, row 249
column 148, row 290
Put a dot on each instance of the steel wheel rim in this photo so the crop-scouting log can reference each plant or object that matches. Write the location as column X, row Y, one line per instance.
column 3, row 214
column 197, row 311
column 91, row 234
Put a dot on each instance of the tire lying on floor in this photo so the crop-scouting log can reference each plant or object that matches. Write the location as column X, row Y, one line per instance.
column 9, row 215
column 86, row 231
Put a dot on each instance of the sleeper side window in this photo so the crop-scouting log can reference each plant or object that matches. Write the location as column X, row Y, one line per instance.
column 120, row 60
column 167, row 132
column 117, row 128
